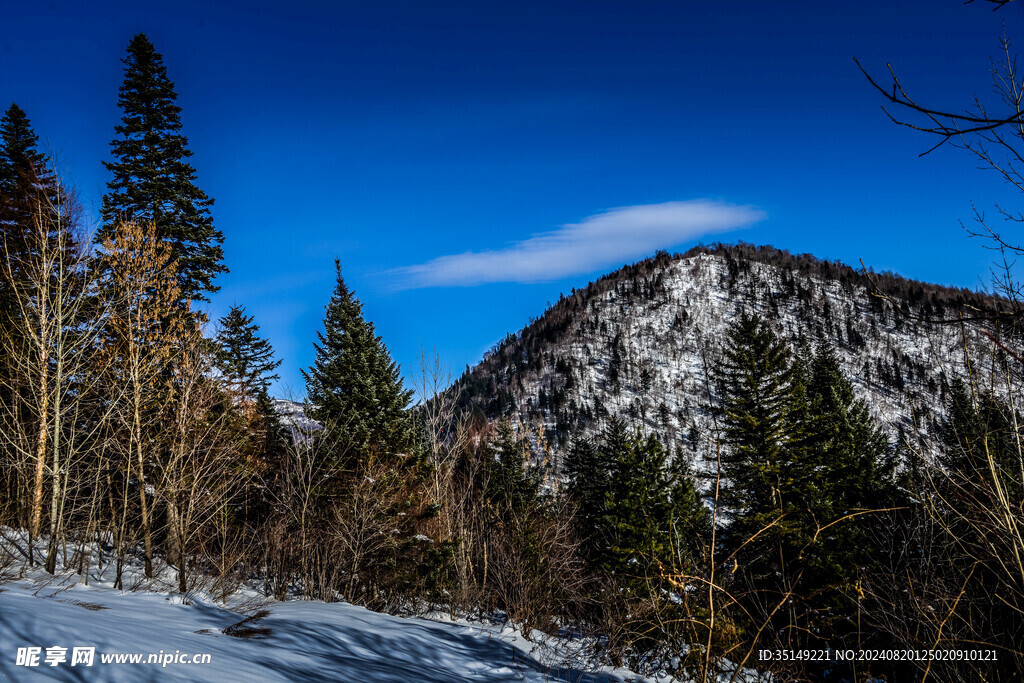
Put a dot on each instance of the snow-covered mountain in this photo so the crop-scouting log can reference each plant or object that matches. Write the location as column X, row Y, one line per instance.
column 642, row 343
column 293, row 415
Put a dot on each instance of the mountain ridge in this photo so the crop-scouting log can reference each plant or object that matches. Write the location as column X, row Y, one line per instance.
column 641, row 343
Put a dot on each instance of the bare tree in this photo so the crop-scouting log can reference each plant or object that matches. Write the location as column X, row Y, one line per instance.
column 992, row 131
column 198, row 454
column 144, row 335
column 49, row 347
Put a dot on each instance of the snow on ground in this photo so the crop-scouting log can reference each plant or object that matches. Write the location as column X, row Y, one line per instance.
column 307, row 641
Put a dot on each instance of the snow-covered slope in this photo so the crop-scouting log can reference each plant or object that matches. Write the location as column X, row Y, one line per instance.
column 305, row 641
column 643, row 343
column 293, row 415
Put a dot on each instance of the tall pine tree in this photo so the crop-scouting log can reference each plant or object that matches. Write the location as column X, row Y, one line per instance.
column 759, row 390
column 153, row 181
column 246, row 364
column 354, row 387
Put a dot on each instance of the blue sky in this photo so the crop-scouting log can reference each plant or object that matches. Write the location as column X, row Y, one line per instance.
column 469, row 161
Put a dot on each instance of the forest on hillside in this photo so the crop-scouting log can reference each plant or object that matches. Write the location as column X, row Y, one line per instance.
column 136, row 432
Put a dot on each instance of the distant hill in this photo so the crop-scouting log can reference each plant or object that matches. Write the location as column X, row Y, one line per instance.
column 641, row 343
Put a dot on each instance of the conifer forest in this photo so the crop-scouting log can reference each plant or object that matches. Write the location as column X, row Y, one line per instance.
column 727, row 463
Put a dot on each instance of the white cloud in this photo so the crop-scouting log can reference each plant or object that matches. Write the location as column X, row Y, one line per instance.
column 607, row 239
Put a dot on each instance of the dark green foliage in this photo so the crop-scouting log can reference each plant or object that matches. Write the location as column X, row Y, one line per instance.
column 638, row 513
column 354, row 387
column 512, row 484
column 978, row 497
column 762, row 422
column 639, row 516
column 245, row 360
column 689, row 518
column 246, row 363
column 851, row 491
column 643, row 530
column 27, row 188
column 20, row 161
column 588, row 483
column 809, row 474
column 980, row 437
column 153, row 181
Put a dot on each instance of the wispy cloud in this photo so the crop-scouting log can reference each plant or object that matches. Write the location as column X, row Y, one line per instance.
column 605, row 239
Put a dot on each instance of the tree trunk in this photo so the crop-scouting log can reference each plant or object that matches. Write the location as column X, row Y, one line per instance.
column 37, row 481
column 176, row 542
column 147, row 533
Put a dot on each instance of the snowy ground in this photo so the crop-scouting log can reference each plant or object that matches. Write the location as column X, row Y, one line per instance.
column 307, row 641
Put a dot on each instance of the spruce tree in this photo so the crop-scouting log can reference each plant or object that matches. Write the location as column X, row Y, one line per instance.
column 763, row 405
column 981, row 442
column 27, row 188
column 805, row 464
column 638, row 511
column 759, row 392
column 246, row 365
column 588, row 484
column 976, row 492
column 153, row 181
column 640, row 508
column 848, row 446
column 849, row 484
column 354, row 387
column 245, row 360
column 20, row 160
column 689, row 519
column 512, row 484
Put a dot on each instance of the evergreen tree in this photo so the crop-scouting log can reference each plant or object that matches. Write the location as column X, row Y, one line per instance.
column 20, row 160
column 981, row 443
column 153, row 181
column 588, row 485
column 759, row 390
column 805, row 466
column 246, row 363
column 639, row 515
column 512, row 484
column 767, row 473
column 976, row 495
column 689, row 518
column 850, row 483
column 245, row 360
column 27, row 188
column 849, row 447
column 354, row 386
